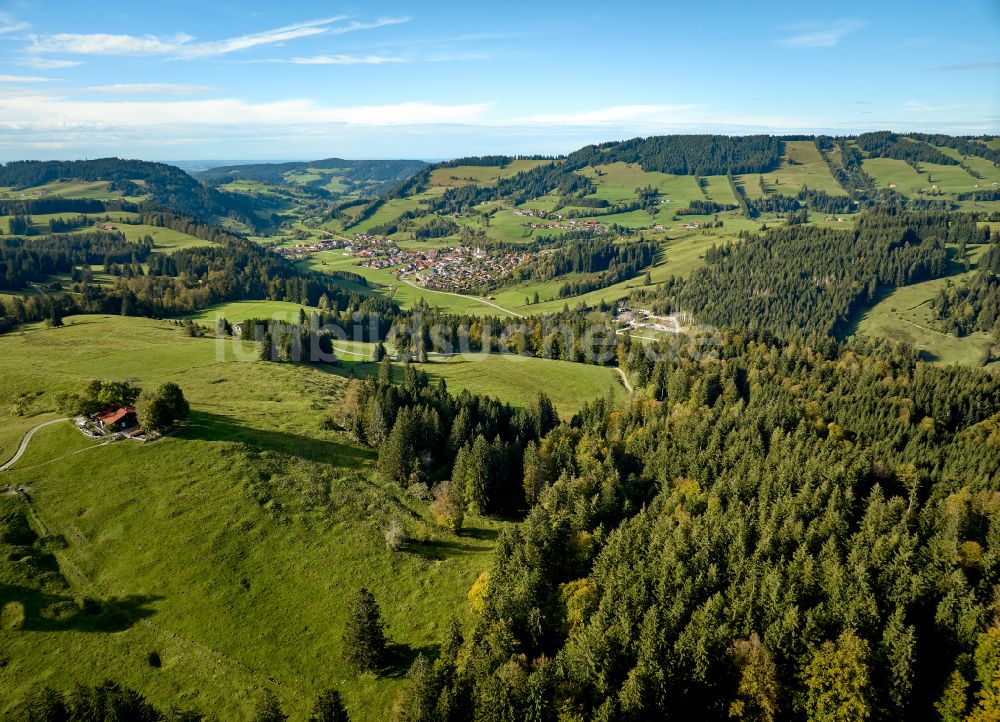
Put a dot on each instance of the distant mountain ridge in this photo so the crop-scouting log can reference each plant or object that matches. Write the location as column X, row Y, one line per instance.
column 347, row 175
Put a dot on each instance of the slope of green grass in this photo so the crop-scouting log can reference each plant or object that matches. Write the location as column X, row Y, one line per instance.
column 905, row 315
column 231, row 548
column 518, row 379
column 240, row 310
column 617, row 182
column 889, row 172
column 480, row 174
column 508, row 377
column 802, row 165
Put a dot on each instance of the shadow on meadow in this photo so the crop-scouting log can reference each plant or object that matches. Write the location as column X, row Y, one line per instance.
column 206, row 426
column 33, row 610
column 400, row 657
column 439, row 549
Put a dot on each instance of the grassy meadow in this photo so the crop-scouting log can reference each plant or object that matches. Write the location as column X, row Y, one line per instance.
column 228, row 548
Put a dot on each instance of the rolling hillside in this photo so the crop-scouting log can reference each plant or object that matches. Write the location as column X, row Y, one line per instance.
column 332, row 177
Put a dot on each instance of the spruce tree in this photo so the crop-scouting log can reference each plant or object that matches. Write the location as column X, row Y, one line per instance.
column 329, row 707
column 397, row 456
column 364, row 637
column 265, row 351
column 268, row 708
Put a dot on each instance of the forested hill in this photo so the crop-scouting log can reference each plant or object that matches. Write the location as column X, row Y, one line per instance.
column 316, row 173
column 842, row 168
column 160, row 186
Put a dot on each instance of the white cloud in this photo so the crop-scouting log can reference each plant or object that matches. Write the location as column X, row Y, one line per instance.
column 48, row 63
column 181, row 45
column 8, row 25
column 341, row 60
column 50, row 112
column 23, row 79
column 919, row 106
column 105, row 44
column 149, row 89
column 820, row 34
column 357, row 25
column 611, row 115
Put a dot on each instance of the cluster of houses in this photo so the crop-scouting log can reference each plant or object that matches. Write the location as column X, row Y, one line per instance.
column 301, row 250
column 465, row 269
column 454, row 268
column 689, row 226
column 836, row 219
column 571, row 225
column 532, row 213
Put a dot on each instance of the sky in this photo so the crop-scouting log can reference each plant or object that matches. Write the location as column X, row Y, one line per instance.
column 296, row 80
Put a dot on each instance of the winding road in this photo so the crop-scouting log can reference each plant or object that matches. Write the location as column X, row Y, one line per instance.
column 473, row 298
column 24, row 443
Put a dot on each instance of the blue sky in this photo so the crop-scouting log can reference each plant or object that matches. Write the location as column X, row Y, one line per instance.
column 304, row 80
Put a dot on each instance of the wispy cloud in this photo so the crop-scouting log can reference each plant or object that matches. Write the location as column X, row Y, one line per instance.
column 47, row 63
column 8, row 25
column 341, row 60
column 106, row 44
column 358, row 25
column 819, row 34
column 53, row 112
column 148, row 89
column 612, row 115
column 182, row 46
column 919, row 106
column 23, row 79
column 989, row 65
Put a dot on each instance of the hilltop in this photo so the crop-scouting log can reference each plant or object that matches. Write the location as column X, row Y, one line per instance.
column 330, row 177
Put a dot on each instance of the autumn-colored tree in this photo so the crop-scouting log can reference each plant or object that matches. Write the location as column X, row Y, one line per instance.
column 837, row 681
column 757, row 694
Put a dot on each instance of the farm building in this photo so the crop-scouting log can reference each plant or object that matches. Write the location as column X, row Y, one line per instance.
column 116, row 418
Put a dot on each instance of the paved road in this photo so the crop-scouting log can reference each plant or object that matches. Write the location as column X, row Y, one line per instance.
column 474, row 298
column 24, row 443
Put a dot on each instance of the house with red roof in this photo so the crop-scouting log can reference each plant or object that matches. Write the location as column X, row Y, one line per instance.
column 116, row 418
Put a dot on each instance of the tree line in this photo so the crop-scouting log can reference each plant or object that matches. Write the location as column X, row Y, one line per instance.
column 29, row 261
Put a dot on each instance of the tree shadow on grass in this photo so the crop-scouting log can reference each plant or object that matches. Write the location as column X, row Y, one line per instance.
column 399, row 658
column 439, row 549
column 207, row 426
column 32, row 610
column 481, row 534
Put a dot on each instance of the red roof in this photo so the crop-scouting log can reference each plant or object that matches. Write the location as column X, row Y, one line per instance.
column 114, row 414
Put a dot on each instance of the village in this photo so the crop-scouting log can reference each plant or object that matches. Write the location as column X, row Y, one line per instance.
column 453, row 268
